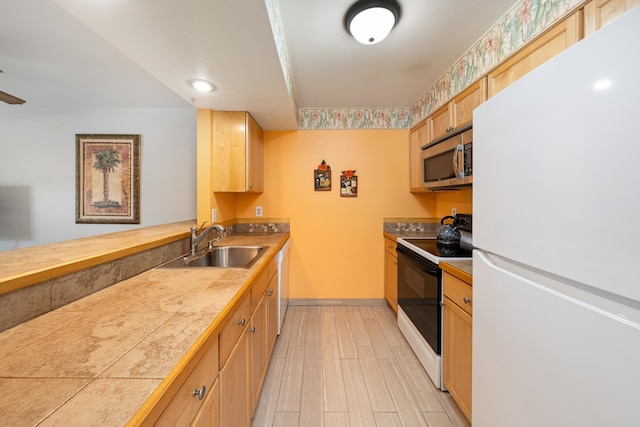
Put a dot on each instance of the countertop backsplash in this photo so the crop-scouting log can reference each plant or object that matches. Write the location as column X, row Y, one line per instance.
column 404, row 226
column 258, row 227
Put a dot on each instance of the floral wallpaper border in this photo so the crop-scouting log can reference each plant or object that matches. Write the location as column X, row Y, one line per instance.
column 524, row 21
column 273, row 10
column 349, row 118
column 521, row 23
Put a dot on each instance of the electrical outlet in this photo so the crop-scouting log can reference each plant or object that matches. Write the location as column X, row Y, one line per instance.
column 214, row 215
column 258, row 210
column 454, row 211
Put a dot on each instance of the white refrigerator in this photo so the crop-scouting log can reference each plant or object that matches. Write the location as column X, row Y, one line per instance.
column 556, row 212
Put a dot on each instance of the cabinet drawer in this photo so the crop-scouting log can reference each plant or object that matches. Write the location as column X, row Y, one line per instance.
column 186, row 403
column 459, row 292
column 390, row 246
column 259, row 286
column 233, row 328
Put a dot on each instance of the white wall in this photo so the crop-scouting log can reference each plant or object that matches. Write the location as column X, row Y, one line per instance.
column 38, row 153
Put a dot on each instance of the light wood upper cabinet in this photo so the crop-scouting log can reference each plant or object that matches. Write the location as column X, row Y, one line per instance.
column 237, row 153
column 418, row 136
column 458, row 112
column 440, row 122
column 466, row 101
column 554, row 41
column 391, row 273
column 457, row 340
column 598, row 13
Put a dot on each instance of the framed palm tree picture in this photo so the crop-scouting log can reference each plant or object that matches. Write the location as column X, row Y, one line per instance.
column 107, row 179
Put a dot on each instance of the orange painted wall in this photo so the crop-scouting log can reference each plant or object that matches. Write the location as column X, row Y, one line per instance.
column 337, row 244
column 461, row 200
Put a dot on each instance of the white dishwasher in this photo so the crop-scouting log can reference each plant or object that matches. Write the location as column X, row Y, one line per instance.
column 283, row 283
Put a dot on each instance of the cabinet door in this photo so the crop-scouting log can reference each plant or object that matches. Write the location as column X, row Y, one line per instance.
column 457, row 355
column 209, row 414
column 417, row 138
column 272, row 314
column 233, row 328
column 258, row 350
column 554, row 41
column 255, row 156
column 228, row 172
column 598, row 13
column 237, row 152
column 462, row 105
column 187, row 401
column 391, row 275
column 234, row 386
column 440, row 122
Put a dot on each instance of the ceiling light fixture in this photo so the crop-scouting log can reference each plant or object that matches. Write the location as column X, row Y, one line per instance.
column 370, row 21
column 202, row 85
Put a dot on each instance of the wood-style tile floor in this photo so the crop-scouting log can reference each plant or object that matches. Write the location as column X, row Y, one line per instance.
column 349, row 366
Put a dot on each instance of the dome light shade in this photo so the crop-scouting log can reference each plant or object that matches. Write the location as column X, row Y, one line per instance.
column 202, row 85
column 370, row 21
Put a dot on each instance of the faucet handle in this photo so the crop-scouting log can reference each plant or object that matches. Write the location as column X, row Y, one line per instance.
column 201, row 227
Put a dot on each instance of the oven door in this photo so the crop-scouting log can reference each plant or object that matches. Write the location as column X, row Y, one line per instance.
column 419, row 295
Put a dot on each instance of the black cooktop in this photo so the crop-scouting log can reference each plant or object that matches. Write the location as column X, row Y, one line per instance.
column 443, row 251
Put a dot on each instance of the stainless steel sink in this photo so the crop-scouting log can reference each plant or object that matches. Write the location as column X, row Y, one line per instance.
column 220, row 256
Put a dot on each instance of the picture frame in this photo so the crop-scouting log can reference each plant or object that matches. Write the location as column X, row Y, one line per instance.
column 322, row 177
column 348, row 184
column 107, row 179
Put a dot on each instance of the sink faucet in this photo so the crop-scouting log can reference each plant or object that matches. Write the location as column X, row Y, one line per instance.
column 196, row 239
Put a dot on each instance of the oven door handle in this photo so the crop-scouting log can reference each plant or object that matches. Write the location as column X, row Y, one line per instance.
column 424, row 264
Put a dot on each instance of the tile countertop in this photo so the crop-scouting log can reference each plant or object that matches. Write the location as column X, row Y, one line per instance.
column 96, row 361
column 27, row 266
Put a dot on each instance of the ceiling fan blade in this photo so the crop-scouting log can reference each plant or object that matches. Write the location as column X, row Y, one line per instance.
column 10, row 99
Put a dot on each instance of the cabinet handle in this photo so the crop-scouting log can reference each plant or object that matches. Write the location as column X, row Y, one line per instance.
column 250, row 186
column 241, row 322
column 449, row 129
column 395, row 262
column 270, row 293
column 466, row 300
column 200, row 393
column 252, row 329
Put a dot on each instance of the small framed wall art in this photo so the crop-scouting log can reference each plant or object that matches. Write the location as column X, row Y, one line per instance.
column 322, row 177
column 348, row 184
column 107, row 179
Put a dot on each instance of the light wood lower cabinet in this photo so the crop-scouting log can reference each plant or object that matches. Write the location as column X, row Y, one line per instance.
column 234, row 385
column 209, row 414
column 258, row 360
column 391, row 273
column 245, row 366
column 457, row 339
column 192, row 393
column 272, row 296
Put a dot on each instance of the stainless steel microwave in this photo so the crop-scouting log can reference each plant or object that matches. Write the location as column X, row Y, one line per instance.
column 447, row 162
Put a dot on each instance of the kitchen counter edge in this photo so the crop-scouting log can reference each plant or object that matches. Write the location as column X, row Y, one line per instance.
column 463, row 270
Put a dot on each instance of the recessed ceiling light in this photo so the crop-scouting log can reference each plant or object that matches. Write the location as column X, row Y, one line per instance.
column 370, row 21
column 202, row 85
